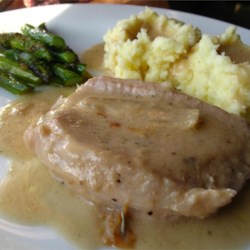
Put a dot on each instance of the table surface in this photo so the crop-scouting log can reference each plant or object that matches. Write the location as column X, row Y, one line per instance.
column 236, row 12
column 16, row 4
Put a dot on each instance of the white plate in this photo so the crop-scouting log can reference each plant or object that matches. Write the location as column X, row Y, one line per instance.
column 82, row 25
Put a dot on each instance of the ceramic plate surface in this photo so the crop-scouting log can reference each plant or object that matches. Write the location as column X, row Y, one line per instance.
column 81, row 25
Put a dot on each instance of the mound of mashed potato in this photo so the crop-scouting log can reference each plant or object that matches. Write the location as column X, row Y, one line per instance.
column 215, row 72
column 146, row 45
column 156, row 48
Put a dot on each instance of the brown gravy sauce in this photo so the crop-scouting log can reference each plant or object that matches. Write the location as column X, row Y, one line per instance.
column 29, row 195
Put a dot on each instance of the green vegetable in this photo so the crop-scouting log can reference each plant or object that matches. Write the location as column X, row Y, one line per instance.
column 18, row 70
column 10, row 53
column 67, row 56
column 42, row 27
column 39, row 67
column 14, row 85
column 26, row 44
column 67, row 76
column 79, row 67
column 37, row 57
column 41, row 34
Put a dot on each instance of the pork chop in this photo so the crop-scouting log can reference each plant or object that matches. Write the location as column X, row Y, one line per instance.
column 141, row 145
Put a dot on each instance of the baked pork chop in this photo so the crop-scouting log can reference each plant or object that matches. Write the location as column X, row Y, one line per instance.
column 141, row 145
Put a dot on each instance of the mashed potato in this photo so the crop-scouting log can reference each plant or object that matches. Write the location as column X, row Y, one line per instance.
column 156, row 48
column 213, row 76
column 145, row 46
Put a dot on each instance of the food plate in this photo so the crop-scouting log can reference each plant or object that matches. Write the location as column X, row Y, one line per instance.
column 81, row 25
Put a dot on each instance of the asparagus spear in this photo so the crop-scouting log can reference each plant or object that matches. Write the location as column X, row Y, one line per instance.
column 80, row 68
column 14, row 85
column 39, row 67
column 18, row 70
column 67, row 56
column 67, row 76
column 43, row 35
column 26, row 44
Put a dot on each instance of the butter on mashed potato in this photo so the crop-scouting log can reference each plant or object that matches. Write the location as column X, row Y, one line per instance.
column 156, row 48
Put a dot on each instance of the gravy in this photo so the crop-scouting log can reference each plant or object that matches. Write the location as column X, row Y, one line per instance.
column 94, row 57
